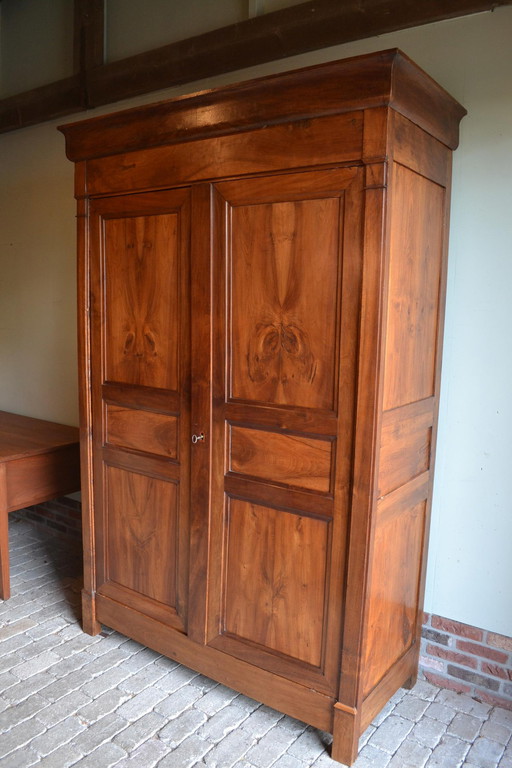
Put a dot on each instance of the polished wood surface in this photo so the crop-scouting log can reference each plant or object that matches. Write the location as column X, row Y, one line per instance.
column 387, row 78
column 140, row 400
column 406, row 440
column 330, row 140
column 145, row 431
column 141, row 300
column 261, row 321
column 292, row 460
column 414, row 284
column 39, row 460
column 280, row 265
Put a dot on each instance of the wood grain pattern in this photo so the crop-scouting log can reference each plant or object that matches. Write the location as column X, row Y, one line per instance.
column 25, row 436
column 420, row 152
column 39, row 460
column 276, row 580
column 283, row 325
column 308, row 227
column 414, row 288
column 406, row 438
column 275, row 690
column 142, row 301
column 44, row 476
column 141, row 534
column 330, row 140
column 361, row 82
column 140, row 339
column 301, row 462
column 393, row 590
column 142, row 431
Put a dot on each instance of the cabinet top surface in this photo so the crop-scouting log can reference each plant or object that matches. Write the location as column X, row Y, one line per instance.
column 388, row 78
column 22, row 436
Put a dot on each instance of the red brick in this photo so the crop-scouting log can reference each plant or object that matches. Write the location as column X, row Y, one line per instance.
column 499, row 641
column 482, row 651
column 445, row 682
column 493, row 669
column 495, row 701
column 456, row 628
column 458, row 658
column 426, row 617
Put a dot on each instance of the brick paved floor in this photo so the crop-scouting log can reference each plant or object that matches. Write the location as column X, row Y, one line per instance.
column 67, row 699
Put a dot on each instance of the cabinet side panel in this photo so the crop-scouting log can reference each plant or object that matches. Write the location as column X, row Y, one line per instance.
column 394, row 587
column 411, row 346
column 416, row 239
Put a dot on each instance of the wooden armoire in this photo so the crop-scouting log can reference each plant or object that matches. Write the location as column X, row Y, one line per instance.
column 261, row 279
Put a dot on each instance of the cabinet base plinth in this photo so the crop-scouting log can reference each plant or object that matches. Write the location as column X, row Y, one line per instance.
column 347, row 722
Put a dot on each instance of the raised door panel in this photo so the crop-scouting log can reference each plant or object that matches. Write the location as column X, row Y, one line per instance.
column 282, row 347
column 290, row 460
column 141, row 523
column 142, row 300
column 284, row 312
column 140, row 340
column 275, row 561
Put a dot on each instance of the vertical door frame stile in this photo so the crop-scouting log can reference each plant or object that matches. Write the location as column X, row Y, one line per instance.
column 378, row 174
column 90, row 623
column 97, row 360
column 220, row 390
column 347, row 710
column 351, row 250
column 201, row 330
column 184, row 247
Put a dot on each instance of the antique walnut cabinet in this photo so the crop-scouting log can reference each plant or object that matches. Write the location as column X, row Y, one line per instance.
column 262, row 277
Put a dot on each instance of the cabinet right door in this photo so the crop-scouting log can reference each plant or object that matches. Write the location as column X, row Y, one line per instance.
column 286, row 277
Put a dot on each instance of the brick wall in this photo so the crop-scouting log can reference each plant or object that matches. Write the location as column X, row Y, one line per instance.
column 457, row 656
column 63, row 516
column 467, row 659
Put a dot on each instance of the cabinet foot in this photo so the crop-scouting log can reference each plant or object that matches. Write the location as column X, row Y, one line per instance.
column 90, row 624
column 345, row 734
column 411, row 681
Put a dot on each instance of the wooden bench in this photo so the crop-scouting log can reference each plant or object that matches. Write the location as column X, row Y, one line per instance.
column 39, row 460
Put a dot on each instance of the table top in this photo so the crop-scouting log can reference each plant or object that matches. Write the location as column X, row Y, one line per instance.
column 23, row 436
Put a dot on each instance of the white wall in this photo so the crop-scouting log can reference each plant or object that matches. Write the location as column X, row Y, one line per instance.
column 470, row 567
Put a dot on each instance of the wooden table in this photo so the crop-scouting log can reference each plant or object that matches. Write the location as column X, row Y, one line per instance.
column 39, row 460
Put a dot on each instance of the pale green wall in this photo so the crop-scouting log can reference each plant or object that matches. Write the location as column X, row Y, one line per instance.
column 470, row 566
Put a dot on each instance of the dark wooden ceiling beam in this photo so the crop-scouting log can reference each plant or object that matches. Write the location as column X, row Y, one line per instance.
column 89, row 34
column 44, row 103
column 300, row 28
column 294, row 30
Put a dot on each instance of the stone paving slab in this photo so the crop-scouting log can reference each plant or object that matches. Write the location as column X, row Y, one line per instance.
column 70, row 700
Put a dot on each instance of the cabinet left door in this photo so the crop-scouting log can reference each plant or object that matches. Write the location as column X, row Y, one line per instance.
column 140, row 405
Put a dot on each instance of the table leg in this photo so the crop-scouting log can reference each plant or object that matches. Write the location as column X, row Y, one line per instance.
column 5, row 582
